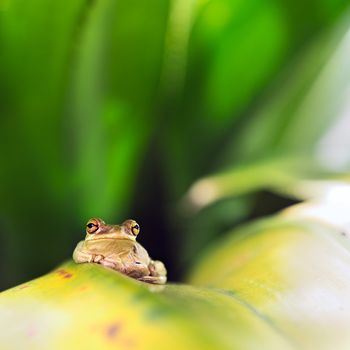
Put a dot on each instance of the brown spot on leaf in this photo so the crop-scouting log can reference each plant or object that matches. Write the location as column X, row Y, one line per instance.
column 112, row 330
column 64, row 273
column 23, row 286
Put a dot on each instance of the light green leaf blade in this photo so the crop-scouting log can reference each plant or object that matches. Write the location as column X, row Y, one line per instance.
column 294, row 270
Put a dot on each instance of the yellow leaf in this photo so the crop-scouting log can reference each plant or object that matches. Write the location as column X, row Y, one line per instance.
column 87, row 306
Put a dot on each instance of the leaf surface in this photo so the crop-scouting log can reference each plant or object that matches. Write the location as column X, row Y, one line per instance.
column 92, row 307
column 295, row 271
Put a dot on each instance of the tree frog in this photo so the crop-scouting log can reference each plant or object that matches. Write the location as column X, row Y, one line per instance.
column 115, row 246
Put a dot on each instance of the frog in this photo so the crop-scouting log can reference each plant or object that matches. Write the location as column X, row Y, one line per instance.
column 115, row 247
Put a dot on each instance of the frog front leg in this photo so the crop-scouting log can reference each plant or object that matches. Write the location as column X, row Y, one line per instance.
column 157, row 273
column 82, row 255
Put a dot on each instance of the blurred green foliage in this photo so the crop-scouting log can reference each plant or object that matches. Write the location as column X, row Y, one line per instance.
column 114, row 109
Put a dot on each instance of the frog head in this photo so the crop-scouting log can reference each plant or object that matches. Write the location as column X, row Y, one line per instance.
column 97, row 229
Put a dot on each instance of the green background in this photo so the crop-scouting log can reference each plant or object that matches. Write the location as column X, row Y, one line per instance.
column 116, row 108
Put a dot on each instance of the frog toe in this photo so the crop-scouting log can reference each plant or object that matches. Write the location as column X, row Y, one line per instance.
column 157, row 268
column 153, row 279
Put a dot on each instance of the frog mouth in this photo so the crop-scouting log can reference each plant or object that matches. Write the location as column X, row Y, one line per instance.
column 100, row 237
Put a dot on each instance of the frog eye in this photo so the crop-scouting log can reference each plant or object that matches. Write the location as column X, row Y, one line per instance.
column 132, row 227
column 92, row 226
column 135, row 229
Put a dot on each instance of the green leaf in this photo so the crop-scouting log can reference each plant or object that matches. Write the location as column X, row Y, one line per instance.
column 299, row 134
column 113, row 100
column 36, row 40
column 79, row 107
column 231, row 54
column 309, row 102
